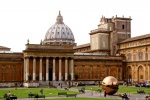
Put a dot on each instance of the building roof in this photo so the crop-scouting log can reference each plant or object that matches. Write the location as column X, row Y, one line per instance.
column 81, row 46
column 4, row 48
column 136, row 38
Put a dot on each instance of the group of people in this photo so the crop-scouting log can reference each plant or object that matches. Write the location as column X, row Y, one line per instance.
column 124, row 96
column 140, row 91
column 41, row 91
column 7, row 95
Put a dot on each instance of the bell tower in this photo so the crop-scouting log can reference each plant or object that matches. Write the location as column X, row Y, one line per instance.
column 122, row 31
column 123, row 28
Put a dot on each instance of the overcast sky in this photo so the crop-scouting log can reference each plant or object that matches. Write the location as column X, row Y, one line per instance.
column 30, row 19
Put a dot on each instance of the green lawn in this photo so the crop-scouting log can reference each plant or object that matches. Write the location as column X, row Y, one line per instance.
column 122, row 89
column 23, row 92
column 132, row 89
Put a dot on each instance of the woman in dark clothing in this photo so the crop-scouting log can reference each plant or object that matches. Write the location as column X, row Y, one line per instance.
column 105, row 93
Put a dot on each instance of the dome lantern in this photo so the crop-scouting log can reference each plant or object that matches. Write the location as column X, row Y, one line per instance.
column 59, row 19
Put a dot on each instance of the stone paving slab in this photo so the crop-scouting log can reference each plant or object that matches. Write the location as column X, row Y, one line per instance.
column 89, row 94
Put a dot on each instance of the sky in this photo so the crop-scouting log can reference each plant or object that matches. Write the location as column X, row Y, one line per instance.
column 21, row 20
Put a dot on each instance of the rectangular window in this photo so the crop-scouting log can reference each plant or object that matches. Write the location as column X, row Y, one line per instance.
column 130, row 76
column 122, row 26
column 103, row 44
column 141, row 76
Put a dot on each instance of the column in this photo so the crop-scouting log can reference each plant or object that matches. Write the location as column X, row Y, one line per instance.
column 13, row 72
column 66, row 69
column 105, row 70
column 117, row 72
column 132, row 74
column 27, row 68
column 82, row 71
column 137, row 76
column 60, row 69
column 24, row 69
column 21, row 72
column 148, row 73
column 54, row 78
column 40, row 68
column 47, row 69
column 144, row 73
column 91, row 73
column 109, row 70
column 34, row 68
column 121, row 73
column 98, row 70
column 72, row 69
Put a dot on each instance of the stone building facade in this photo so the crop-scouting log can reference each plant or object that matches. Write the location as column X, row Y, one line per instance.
column 110, row 52
column 137, row 53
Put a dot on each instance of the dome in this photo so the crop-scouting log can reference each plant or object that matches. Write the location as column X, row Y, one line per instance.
column 59, row 33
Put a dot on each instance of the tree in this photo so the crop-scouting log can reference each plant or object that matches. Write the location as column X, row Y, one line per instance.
column 29, row 77
column 69, row 77
column 76, row 76
column 37, row 77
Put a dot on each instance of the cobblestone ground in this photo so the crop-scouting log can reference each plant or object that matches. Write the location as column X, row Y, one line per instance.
column 90, row 94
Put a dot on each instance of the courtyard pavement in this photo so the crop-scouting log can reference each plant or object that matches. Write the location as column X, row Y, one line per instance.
column 91, row 94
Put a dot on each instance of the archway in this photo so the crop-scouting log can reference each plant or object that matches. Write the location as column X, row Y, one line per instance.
column 129, row 74
column 140, row 74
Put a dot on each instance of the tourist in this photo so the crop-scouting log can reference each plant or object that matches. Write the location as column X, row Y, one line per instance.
column 9, row 94
column 41, row 91
column 125, row 95
column 30, row 93
column 105, row 93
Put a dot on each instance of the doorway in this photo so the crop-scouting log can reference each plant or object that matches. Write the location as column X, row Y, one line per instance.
column 50, row 74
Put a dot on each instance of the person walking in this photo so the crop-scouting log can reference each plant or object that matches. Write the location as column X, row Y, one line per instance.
column 41, row 91
column 105, row 93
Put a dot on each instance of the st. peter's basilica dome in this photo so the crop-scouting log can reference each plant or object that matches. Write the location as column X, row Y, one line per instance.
column 59, row 33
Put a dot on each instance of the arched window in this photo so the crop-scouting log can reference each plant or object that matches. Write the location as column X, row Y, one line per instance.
column 140, row 68
column 129, row 56
column 140, row 54
column 146, row 56
column 134, row 57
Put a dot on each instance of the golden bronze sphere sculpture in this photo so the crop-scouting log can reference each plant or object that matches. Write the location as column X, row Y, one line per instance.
column 110, row 85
